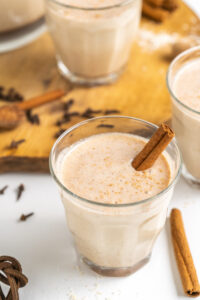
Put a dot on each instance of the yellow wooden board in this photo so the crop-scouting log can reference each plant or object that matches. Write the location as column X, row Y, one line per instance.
column 140, row 92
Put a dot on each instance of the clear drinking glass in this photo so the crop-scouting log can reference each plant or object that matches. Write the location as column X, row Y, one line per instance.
column 185, row 120
column 92, row 43
column 114, row 239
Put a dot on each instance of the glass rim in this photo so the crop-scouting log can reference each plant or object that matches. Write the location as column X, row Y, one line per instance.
column 89, row 8
column 69, row 130
column 182, row 54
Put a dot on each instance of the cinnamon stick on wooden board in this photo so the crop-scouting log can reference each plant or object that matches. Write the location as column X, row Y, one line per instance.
column 183, row 255
column 155, row 13
column 170, row 5
column 165, row 4
column 155, row 146
column 158, row 10
column 157, row 3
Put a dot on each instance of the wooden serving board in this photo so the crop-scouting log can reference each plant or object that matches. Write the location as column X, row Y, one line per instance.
column 140, row 92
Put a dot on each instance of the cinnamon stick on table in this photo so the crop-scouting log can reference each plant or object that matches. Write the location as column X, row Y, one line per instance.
column 183, row 255
column 170, row 5
column 157, row 3
column 155, row 146
column 155, row 13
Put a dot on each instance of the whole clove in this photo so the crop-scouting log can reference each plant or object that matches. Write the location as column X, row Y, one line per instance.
column 111, row 111
column 11, row 95
column 106, row 126
column 67, row 118
column 15, row 144
column 2, row 191
column 20, row 190
column 72, row 114
column 68, row 104
column 46, row 82
column 58, row 133
column 89, row 113
column 32, row 118
column 23, row 217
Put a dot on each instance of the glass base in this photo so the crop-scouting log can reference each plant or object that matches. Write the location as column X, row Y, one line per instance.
column 116, row 272
column 107, row 79
column 189, row 178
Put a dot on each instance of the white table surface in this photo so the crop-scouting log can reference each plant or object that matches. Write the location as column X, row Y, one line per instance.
column 43, row 246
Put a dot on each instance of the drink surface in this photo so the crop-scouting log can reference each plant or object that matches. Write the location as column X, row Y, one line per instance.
column 92, row 3
column 99, row 169
column 186, row 84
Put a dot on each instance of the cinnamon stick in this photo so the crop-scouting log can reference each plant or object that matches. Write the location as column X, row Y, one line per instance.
column 170, row 5
column 157, row 3
column 42, row 99
column 155, row 13
column 155, row 146
column 183, row 255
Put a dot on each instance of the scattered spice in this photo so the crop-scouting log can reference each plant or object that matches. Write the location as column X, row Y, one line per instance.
column 111, row 111
column 106, row 126
column 46, row 82
column 62, row 121
column 11, row 95
column 20, row 190
column 23, row 217
column 68, row 104
column 89, row 113
column 58, row 133
column 2, row 191
column 72, row 114
column 67, row 118
column 32, row 118
column 14, row 144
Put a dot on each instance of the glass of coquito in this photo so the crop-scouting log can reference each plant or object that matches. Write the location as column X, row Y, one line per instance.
column 114, row 212
column 93, row 38
column 183, row 81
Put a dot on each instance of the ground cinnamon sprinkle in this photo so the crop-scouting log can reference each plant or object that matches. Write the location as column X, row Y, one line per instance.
column 183, row 255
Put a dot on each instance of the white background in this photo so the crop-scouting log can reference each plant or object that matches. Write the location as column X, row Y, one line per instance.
column 43, row 246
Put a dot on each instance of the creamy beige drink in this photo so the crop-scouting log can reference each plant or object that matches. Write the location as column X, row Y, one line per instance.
column 99, row 169
column 184, row 81
column 114, row 212
column 18, row 13
column 93, row 38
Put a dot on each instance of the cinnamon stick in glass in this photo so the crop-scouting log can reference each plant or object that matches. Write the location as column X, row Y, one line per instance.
column 183, row 255
column 155, row 146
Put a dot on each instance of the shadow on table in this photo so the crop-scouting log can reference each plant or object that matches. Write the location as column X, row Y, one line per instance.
column 49, row 254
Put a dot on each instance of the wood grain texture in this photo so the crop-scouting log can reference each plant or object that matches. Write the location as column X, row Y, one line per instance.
column 140, row 92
